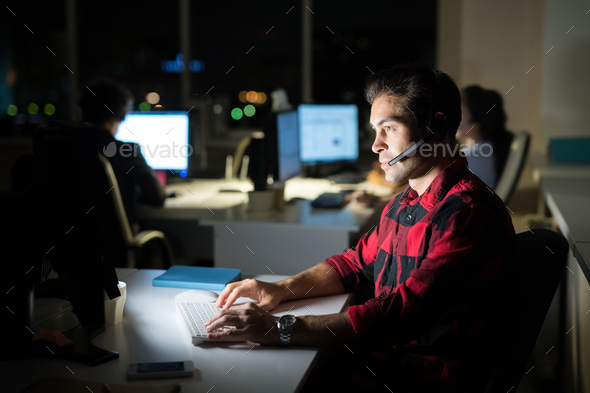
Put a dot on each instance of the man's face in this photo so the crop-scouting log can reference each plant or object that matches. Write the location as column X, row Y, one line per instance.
column 395, row 129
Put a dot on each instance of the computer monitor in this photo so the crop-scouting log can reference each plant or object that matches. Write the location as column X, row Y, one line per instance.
column 328, row 133
column 163, row 137
column 277, row 154
column 289, row 164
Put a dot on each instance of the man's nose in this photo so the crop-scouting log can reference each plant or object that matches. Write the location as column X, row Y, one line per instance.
column 378, row 146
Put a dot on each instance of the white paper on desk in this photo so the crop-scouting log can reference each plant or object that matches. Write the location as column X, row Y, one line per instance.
column 224, row 201
column 195, row 199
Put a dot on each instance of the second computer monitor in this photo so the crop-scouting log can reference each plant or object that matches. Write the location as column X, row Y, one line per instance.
column 162, row 136
column 328, row 133
column 289, row 164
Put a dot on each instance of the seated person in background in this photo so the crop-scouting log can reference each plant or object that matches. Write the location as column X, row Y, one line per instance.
column 483, row 128
column 437, row 264
column 104, row 105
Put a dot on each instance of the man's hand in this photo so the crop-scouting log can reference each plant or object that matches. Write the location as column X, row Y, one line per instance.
column 268, row 294
column 252, row 324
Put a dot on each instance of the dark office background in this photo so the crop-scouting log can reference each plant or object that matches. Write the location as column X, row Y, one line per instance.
column 132, row 42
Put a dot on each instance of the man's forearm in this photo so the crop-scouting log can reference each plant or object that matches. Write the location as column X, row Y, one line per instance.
column 334, row 330
column 320, row 280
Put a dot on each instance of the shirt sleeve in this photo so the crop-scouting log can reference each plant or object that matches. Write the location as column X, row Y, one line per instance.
column 355, row 265
column 466, row 245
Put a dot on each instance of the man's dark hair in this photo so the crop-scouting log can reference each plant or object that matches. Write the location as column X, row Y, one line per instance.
column 414, row 84
column 105, row 100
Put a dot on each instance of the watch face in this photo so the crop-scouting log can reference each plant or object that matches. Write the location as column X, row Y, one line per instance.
column 287, row 320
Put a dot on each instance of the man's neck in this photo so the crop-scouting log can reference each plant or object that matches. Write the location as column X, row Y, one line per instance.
column 421, row 183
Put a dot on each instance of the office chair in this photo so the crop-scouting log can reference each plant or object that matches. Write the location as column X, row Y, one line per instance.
column 519, row 150
column 133, row 243
column 539, row 260
column 239, row 155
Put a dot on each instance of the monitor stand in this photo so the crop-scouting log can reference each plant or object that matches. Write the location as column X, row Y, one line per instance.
column 83, row 350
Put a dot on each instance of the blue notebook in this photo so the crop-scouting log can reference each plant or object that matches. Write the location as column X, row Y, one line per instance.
column 197, row 277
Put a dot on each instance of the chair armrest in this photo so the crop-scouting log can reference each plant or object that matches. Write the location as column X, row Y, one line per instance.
column 144, row 237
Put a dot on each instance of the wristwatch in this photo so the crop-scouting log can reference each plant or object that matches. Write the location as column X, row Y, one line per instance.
column 285, row 325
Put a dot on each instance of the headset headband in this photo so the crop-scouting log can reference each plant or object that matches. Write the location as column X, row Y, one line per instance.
column 436, row 129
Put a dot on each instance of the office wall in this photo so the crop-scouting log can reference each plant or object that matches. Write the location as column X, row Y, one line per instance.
column 448, row 43
column 565, row 94
column 495, row 44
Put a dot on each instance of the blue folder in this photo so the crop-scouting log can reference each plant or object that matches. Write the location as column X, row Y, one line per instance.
column 197, row 277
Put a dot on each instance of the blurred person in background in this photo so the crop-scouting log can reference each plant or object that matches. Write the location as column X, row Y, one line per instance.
column 483, row 129
column 104, row 105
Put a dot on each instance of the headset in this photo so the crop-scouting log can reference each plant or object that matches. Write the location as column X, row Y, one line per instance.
column 436, row 129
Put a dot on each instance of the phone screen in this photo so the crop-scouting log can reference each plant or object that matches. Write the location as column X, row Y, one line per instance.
column 159, row 367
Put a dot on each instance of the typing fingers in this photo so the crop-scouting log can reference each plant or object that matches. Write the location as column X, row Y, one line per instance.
column 248, row 322
column 233, row 312
column 224, row 319
column 227, row 335
column 235, row 290
column 233, row 296
column 229, row 288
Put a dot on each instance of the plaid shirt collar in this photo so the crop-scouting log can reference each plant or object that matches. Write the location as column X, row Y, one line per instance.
column 439, row 187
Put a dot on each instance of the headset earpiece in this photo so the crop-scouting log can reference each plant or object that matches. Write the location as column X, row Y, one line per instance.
column 436, row 130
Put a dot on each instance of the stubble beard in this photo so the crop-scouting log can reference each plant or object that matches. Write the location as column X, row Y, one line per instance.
column 403, row 170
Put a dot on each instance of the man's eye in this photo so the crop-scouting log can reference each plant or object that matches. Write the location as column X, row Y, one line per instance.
column 388, row 128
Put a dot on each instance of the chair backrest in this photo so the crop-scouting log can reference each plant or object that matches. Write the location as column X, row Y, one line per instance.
column 517, row 156
column 239, row 155
column 117, row 200
column 539, row 260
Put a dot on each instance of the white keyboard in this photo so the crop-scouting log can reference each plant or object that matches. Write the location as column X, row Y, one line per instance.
column 196, row 315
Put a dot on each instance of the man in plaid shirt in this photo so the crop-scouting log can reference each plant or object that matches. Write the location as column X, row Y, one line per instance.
column 438, row 261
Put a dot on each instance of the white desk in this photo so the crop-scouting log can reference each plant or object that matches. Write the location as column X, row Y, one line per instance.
column 152, row 331
column 566, row 192
column 569, row 202
column 290, row 241
column 545, row 168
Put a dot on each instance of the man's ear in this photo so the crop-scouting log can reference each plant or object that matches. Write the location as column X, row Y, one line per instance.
column 441, row 116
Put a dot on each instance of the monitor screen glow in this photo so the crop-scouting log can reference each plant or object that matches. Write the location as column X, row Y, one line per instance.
column 163, row 138
column 328, row 133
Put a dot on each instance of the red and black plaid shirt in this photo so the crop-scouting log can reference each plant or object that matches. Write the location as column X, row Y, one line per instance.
column 438, row 263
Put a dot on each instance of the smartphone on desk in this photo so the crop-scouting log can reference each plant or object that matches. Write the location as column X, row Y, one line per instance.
column 161, row 370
